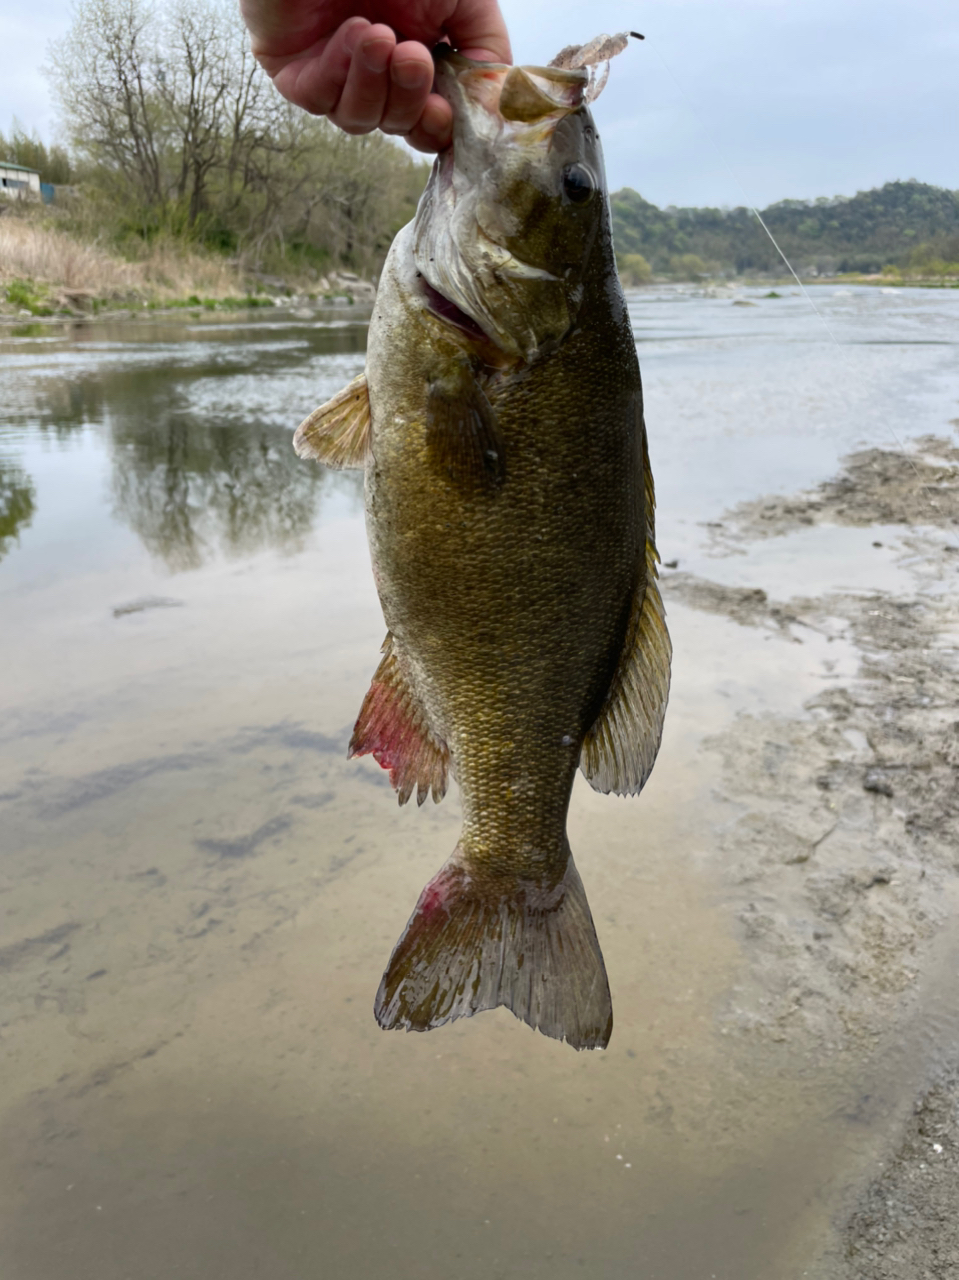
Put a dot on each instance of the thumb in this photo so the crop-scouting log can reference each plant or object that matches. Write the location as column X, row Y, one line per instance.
column 477, row 30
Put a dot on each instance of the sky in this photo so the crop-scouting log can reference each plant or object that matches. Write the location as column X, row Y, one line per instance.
column 727, row 102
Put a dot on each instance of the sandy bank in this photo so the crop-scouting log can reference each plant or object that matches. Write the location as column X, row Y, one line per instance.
column 843, row 833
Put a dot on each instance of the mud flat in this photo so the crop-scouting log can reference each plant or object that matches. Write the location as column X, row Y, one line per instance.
column 907, row 1223
column 843, row 841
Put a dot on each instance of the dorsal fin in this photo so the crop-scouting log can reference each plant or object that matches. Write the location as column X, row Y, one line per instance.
column 620, row 749
column 394, row 728
column 338, row 432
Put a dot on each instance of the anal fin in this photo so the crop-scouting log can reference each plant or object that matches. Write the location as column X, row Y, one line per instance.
column 393, row 727
column 620, row 749
column 338, row 432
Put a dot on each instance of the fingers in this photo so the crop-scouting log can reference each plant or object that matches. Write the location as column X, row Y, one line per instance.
column 314, row 79
column 363, row 80
column 362, row 103
column 411, row 78
column 434, row 129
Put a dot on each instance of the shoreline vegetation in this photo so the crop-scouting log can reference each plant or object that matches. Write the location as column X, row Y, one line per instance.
column 902, row 232
column 184, row 180
column 51, row 273
column 79, row 258
column 52, row 268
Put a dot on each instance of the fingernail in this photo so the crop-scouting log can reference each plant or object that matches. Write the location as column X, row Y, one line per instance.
column 411, row 75
column 353, row 34
column 376, row 54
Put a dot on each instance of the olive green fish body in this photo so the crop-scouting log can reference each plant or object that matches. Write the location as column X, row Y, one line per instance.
column 510, row 516
column 509, row 602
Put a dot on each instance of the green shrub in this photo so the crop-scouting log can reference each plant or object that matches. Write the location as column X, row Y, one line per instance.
column 634, row 270
column 22, row 294
column 687, row 266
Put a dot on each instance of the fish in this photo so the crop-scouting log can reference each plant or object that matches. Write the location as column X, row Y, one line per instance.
column 510, row 516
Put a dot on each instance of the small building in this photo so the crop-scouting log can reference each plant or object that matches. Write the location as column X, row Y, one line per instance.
column 17, row 180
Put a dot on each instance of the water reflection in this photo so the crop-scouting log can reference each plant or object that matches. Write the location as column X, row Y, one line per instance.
column 199, row 440
column 188, row 487
column 64, row 404
column 17, row 504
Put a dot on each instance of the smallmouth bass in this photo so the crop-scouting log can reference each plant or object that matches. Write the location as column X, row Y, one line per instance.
column 509, row 507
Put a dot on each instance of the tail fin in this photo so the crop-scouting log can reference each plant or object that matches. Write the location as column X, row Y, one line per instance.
column 470, row 945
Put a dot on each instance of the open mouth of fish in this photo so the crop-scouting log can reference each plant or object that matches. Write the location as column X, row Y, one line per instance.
column 466, row 238
column 447, row 310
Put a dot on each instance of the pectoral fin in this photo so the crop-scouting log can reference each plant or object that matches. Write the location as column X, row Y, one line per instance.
column 462, row 433
column 338, row 432
column 620, row 749
column 394, row 728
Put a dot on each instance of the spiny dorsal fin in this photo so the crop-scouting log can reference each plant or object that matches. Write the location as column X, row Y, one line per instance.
column 620, row 749
column 393, row 727
column 338, row 432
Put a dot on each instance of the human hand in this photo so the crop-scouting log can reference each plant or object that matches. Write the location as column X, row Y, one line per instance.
column 366, row 64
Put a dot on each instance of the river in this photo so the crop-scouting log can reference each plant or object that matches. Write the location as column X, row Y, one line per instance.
column 199, row 891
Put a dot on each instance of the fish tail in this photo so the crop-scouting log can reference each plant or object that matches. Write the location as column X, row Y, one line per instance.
column 474, row 944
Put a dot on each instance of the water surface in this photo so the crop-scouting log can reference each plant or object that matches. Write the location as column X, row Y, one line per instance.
column 200, row 891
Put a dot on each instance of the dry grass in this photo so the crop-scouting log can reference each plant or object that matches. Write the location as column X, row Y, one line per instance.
column 170, row 270
column 51, row 257
column 69, row 269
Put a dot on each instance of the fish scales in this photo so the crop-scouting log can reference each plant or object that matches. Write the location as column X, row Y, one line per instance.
column 512, row 605
column 509, row 512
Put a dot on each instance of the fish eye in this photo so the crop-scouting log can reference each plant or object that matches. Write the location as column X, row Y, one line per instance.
column 579, row 185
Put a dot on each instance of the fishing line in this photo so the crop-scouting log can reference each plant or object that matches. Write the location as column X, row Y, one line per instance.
column 805, row 292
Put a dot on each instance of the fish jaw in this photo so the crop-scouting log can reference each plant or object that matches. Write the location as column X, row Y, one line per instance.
column 470, row 237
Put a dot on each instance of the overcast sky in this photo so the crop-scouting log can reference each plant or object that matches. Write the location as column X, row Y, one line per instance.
column 728, row 101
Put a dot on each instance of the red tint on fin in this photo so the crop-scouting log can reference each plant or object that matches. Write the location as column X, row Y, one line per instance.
column 393, row 728
column 473, row 944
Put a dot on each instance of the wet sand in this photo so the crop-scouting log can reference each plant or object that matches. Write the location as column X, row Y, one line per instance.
column 200, row 892
column 906, row 1223
column 843, row 834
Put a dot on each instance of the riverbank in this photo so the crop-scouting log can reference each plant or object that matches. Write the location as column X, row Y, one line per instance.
column 842, row 837
column 48, row 272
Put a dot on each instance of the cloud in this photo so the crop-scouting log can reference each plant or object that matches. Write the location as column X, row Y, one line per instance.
column 819, row 98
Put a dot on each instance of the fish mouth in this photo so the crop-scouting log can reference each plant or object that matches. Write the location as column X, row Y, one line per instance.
column 519, row 95
column 447, row 310
column 467, row 241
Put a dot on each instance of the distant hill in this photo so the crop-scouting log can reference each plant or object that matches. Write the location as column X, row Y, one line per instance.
column 901, row 224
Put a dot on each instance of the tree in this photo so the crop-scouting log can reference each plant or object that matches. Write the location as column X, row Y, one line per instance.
column 175, row 122
column 863, row 233
column 52, row 163
column 634, row 270
column 104, row 78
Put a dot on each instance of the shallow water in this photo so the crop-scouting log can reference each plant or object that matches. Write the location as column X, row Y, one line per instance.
column 200, row 892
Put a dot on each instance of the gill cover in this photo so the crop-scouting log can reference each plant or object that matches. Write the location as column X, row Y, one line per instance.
column 506, row 224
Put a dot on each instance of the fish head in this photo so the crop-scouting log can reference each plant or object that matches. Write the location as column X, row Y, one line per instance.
column 506, row 226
